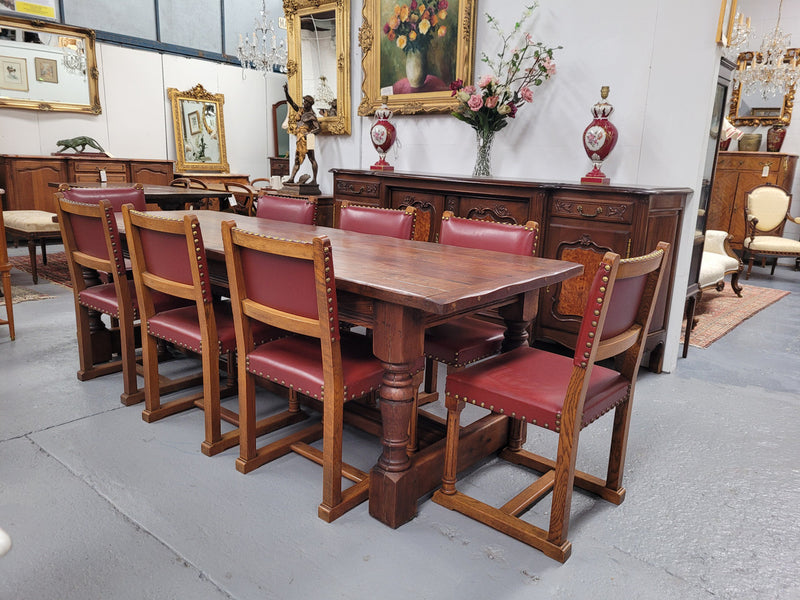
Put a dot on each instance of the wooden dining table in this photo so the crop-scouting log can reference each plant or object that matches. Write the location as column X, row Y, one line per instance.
column 397, row 288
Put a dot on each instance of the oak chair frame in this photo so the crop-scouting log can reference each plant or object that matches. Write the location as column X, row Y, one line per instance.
column 5, row 275
column 560, row 475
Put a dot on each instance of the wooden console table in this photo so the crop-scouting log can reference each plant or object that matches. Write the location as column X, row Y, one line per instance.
column 27, row 178
column 578, row 223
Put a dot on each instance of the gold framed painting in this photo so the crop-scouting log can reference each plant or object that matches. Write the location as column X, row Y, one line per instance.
column 412, row 51
column 46, row 70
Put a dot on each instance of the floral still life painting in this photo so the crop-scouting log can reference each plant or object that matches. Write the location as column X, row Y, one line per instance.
column 418, row 45
column 521, row 65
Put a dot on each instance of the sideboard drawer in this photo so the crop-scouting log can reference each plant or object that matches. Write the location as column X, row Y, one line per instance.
column 749, row 162
column 89, row 171
column 356, row 188
column 606, row 210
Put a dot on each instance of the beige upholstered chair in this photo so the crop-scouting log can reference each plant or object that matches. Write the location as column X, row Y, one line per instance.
column 718, row 261
column 766, row 211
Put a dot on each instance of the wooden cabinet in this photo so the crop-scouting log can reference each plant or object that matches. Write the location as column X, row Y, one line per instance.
column 278, row 165
column 27, row 179
column 737, row 174
column 577, row 222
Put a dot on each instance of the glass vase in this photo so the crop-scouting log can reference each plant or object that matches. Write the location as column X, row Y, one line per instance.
column 483, row 160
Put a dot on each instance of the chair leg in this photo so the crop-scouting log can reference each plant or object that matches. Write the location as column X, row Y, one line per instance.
column 9, row 304
column 749, row 267
column 131, row 394
column 564, row 480
column 619, row 447
column 774, row 264
column 332, row 425
column 454, row 408
column 32, row 254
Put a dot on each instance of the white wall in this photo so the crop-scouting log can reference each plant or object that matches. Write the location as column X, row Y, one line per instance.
column 657, row 56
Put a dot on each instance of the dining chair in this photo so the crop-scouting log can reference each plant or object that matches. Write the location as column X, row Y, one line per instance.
column 316, row 360
column 116, row 196
column 244, row 197
column 463, row 341
column 390, row 222
column 92, row 246
column 294, row 209
column 5, row 275
column 766, row 212
column 191, row 182
column 562, row 394
column 169, row 258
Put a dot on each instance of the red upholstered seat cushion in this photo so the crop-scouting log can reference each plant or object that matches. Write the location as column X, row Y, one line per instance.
column 531, row 383
column 103, row 298
column 181, row 326
column 296, row 362
column 463, row 341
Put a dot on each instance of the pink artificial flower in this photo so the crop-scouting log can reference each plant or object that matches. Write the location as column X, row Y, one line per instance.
column 475, row 102
column 526, row 93
column 485, row 81
column 470, row 89
column 550, row 66
column 456, row 85
column 491, row 101
column 513, row 108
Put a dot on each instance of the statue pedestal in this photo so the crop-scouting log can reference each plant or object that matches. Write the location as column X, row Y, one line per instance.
column 302, row 189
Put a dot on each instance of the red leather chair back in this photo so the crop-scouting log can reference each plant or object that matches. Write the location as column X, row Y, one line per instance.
column 378, row 221
column 488, row 235
column 116, row 196
column 287, row 208
column 82, row 228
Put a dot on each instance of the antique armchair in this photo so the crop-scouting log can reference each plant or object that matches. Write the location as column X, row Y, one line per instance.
column 719, row 260
column 766, row 211
column 116, row 196
column 191, row 182
column 563, row 394
column 317, row 359
column 244, row 196
column 169, row 258
column 293, row 209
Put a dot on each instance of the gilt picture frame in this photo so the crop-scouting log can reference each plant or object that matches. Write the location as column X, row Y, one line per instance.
column 412, row 67
column 199, row 130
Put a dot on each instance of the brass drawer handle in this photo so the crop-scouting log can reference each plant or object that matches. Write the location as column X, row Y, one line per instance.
column 597, row 211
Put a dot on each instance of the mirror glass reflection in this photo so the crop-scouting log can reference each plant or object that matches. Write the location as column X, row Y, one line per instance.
column 46, row 66
column 318, row 51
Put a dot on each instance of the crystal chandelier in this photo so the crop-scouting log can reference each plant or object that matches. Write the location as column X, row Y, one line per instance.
column 739, row 37
column 264, row 53
column 323, row 96
column 73, row 57
column 773, row 70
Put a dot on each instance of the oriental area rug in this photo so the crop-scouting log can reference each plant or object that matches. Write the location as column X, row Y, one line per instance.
column 21, row 294
column 56, row 269
column 718, row 313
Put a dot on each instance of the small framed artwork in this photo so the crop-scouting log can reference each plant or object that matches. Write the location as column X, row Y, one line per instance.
column 46, row 70
column 13, row 73
column 194, row 122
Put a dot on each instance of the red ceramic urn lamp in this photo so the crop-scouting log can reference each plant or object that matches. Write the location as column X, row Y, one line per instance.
column 383, row 135
column 599, row 138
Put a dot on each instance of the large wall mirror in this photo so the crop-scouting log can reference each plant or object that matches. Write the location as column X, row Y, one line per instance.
column 47, row 66
column 751, row 107
column 318, row 33
column 199, row 130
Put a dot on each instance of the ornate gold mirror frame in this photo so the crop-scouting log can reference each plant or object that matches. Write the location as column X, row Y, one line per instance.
column 199, row 130
column 298, row 15
column 48, row 66
column 744, row 111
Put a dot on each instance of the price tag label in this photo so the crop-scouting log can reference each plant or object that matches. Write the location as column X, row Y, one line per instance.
column 232, row 200
column 765, row 171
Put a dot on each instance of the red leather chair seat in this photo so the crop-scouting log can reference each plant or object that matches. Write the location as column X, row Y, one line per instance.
column 532, row 383
column 103, row 298
column 181, row 326
column 463, row 341
column 296, row 362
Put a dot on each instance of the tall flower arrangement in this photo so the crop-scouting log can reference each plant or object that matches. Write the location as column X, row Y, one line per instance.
column 521, row 65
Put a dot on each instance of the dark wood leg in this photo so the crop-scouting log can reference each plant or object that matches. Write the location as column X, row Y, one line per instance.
column 43, row 244
column 32, row 254
column 691, row 303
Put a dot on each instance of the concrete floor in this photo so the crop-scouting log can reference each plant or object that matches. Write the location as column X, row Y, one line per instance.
column 101, row 505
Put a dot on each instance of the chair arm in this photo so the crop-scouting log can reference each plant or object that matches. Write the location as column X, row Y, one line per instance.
column 791, row 218
column 718, row 243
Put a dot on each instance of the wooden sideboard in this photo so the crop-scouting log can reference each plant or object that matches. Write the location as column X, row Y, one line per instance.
column 578, row 223
column 27, row 178
column 737, row 174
